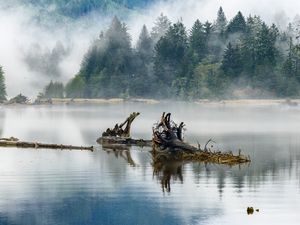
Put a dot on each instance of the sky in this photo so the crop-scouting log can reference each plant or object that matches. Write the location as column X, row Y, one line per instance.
column 30, row 57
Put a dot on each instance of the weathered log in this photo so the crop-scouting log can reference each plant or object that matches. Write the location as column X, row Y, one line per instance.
column 9, row 142
column 167, row 141
column 167, row 135
column 112, row 140
column 118, row 130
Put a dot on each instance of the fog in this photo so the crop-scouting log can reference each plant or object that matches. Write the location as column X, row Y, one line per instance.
column 34, row 51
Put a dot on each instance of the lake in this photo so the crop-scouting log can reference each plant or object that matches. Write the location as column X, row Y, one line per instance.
column 121, row 187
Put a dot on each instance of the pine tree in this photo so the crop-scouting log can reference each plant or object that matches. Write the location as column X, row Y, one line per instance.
column 140, row 84
column 237, row 24
column 170, row 58
column 145, row 45
column 232, row 63
column 75, row 88
column 107, row 67
column 221, row 22
column 198, row 42
column 2, row 86
column 161, row 26
column 54, row 90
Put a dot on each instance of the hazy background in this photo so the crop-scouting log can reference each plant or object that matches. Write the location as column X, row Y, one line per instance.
column 39, row 42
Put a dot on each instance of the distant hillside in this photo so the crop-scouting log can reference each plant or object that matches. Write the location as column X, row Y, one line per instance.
column 78, row 8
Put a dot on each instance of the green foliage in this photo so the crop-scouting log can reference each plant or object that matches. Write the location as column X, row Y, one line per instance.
column 232, row 62
column 2, row 86
column 198, row 42
column 75, row 87
column 221, row 22
column 54, row 90
column 107, row 67
column 171, row 59
column 237, row 24
column 205, row 79
column 220, row 60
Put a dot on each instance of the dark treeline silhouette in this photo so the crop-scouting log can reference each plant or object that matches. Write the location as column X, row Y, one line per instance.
column 244, row 57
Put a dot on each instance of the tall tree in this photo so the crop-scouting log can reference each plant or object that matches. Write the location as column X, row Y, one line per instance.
column 145, row 45
column 54, row 90
column 140, row 84
column 232, row 63
column 161, row 26
column 198, row 42
column 221, row 22
column 170, row 59
column 75, row 87
column 2, row 86
column 237, row 24
column 107, row 67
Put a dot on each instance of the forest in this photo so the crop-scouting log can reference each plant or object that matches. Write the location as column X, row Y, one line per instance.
column 239, row 58
column 243, row 57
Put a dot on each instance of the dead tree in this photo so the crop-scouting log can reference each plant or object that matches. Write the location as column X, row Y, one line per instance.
column 167, row 135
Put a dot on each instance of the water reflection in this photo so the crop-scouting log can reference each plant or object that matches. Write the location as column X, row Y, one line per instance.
column 120, row 151
column 167, row 169
column 127, row 186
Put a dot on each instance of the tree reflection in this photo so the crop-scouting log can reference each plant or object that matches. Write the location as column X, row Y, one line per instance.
column 165, row 168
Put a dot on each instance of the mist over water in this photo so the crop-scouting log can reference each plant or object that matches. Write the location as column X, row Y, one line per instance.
column 29, row 40
column 79, row 187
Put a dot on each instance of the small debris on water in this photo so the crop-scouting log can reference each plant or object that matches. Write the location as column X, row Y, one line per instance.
column 250, row 210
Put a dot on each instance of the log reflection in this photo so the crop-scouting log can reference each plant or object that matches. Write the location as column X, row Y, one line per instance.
column 120, row 151
column 165, row 169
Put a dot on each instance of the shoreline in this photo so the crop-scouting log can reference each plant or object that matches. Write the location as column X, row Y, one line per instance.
column 100, row 101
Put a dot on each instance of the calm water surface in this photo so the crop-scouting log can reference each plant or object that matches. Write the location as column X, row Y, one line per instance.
column 104, row 187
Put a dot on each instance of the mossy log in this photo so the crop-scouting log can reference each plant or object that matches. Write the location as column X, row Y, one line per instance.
column 13, row 142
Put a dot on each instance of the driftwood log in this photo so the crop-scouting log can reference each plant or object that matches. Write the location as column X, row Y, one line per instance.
column 120, row 135
column 167, row 142
column 14, row 142
column 167, row 135
column 119, row 130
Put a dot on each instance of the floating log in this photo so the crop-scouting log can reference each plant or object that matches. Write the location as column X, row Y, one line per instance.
column 121, row 136
column 167, row 140
column 14, row 142
column 107, row 140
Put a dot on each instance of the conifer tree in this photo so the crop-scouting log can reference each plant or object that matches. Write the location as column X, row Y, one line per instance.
column 2, row 86
column 221, row 22
column 161, row 26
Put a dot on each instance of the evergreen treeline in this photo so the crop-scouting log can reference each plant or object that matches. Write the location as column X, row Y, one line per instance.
column 243, row 57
